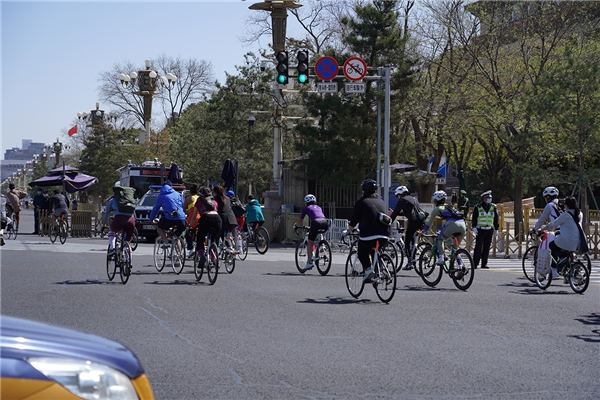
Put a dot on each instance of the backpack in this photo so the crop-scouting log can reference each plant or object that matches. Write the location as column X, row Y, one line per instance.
column 208, row 203
column 125, row 199
column 455, row 214
column 418, row 214
column 237, row 207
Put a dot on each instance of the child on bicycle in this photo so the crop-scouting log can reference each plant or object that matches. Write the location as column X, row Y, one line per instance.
column 317, row 222
column 454, row 223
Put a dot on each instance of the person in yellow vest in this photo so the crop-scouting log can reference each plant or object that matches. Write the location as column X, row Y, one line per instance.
column 188, row 208
column 484, row 223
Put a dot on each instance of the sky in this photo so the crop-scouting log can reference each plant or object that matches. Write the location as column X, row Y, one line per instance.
column 53, row 53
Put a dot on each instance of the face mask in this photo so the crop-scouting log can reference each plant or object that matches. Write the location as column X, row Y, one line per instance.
column 487, row 200
column 39, row 192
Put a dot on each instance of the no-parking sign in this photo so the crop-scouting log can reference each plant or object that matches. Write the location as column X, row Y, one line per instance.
column 355, row 68
column 326, row 68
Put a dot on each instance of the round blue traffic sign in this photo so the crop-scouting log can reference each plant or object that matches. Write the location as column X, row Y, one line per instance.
column 326, row 68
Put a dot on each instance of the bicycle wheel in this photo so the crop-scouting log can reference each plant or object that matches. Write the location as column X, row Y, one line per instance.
column 228, row 260
column 390, row 250
column 261, row 241
column 53, row 233
column 587, row 261
column 125, row 262
column 212, row 266
column 11, row 232
column 399, row 245
column 62, row 232
column 198, row 269
column 160, row 254
column 463, row 272
column 529, row 261
column 323, row 263
column 244, row 250
column 111, row 264
column 177, row 255
column 430, row 272
column 543, row 280
column 134, row 240
column 579, row 278
column 301, row 256
column 416, row 254
column 354, row 275
column 385, row 284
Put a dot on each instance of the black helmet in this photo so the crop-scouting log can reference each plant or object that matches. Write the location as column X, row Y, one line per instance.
column 11, row 185
column 368, row 185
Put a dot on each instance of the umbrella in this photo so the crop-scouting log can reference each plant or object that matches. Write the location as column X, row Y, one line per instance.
column 73, row 180
column 229, row 174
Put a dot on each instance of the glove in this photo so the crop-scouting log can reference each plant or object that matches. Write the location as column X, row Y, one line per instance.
column 295, row 227
column 344, row 233
column 475, row 231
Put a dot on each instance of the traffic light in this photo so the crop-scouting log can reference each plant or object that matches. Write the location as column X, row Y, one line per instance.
column 282, row 67
column 302, row 66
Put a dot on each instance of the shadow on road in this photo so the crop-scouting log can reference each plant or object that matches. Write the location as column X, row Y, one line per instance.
column 335, row 301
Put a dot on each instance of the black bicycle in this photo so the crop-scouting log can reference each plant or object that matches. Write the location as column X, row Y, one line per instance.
column 120, row 258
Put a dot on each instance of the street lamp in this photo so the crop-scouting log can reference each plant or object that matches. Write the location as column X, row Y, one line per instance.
column 279, row 15
column 149, row 83
column 58, row 148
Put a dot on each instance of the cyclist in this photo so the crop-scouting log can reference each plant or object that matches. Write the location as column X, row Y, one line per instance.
column 228, row 220
column 210, row 221
column 5, row 219
column 568, row 240
column 188, row 207
column 406, row 204
column 60, row 204
column 317, row 222
column 122, row 221
column 238, row 209
column 171, row 203
column 14, row 196
column 366, row 213
column 454, row 224
column 484, row 222
column 255, row 215
column 551, row 210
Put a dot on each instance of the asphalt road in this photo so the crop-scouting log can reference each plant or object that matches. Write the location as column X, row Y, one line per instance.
column 268, row 332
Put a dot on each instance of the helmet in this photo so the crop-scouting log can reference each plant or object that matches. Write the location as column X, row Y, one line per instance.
column 368, row 185
column 11, row 185
column 117, row 184
column 310, row 198
column 401, row 190
column 230, row 193
column 550, row 191
column 439, row 195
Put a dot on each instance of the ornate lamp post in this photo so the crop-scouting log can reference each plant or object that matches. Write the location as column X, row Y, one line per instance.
column 96, row 116
column 58, row 148
column 279, row 15
column 149, row 83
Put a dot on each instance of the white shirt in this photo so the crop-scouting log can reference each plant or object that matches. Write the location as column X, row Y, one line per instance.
column 569, row 232
column 548, row 213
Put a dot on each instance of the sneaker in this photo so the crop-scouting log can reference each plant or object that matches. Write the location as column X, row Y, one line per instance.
column 566, row 279
column 202, row 261
column 2, row 243
column 190, row 253
column 562, row 260
column 111, row 252
column 408, row 266
column 368, row 275
column 554, row 273
column 309, row 265
column 485, row 267
column 440, row 261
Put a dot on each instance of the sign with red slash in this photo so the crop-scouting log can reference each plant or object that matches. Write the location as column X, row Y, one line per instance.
column 355, row 69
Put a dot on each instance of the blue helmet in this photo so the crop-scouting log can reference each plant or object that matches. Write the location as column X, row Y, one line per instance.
column 230, row 193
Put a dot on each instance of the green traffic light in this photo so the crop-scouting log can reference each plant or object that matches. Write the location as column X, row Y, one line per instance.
column 281, row 79
column 302, row 78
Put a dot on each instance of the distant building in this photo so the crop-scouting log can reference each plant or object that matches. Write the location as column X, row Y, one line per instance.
column 26, row 153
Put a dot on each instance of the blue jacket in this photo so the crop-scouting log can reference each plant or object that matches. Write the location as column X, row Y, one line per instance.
column 111, row 205
column 254, row 212
column 170, row 201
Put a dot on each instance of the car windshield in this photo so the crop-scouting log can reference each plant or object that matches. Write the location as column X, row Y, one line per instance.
column 149, row 199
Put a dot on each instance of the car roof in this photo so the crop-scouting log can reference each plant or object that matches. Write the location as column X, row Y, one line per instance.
column 21, row 338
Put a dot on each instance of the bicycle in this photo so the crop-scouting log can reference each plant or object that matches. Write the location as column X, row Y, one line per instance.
column 321, row 252
column 384, row 281
column 211, row 263
column 571, row 269
column 459, row 265
column 257, row 235
column 243, row 246
column 12, row 228
column 175, row 252
column 59, row 229
column 226, row 253
column 121, row 258
column 529, row 260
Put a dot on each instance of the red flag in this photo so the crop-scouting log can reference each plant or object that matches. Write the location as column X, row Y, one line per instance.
column 72, row 131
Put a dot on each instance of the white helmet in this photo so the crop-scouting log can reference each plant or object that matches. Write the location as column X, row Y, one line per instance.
column 439, row 195
column 401, row 190
column 117, row 184
column 310, row 198
column 550, row 191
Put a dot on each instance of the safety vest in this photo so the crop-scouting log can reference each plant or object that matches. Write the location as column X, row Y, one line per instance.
column 485, row 218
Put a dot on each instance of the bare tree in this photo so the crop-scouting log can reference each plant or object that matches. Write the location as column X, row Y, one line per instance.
column 194, row 80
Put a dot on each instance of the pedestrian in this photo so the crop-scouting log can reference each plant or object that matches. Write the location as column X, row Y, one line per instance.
column 14, row 196
column 38, row 204
column 463, row 203
column 485, row 221
column 45, row 212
